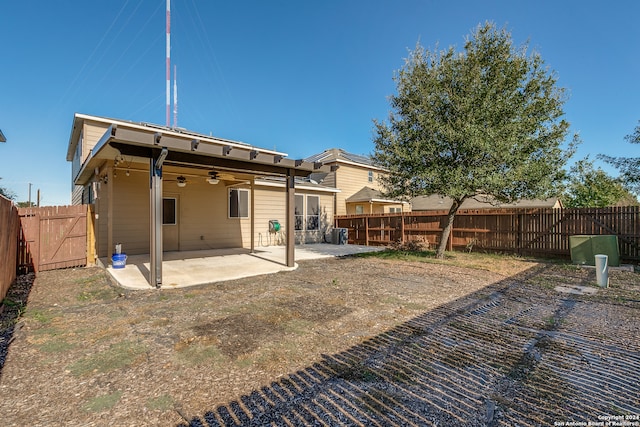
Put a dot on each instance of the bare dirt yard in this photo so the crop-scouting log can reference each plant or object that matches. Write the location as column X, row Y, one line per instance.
column 478, row 340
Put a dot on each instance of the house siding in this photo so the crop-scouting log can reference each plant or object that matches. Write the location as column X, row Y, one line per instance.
column 131, row 212
column 270, row 204
column 202, row 217
column 76, row 195
column 91, row 134
column 350, row 179
column 202, row 220
column 101, row 220
column 374, row 208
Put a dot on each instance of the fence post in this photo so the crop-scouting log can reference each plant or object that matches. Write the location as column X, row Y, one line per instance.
column 519, row 234
column 366, row 230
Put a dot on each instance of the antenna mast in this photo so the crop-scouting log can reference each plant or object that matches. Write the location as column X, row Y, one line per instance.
column 175, row 96
column 168, row 61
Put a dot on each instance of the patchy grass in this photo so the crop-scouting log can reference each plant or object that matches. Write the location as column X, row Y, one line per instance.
column 496, row 263
column 384, row 326
column 56, row 346
column 198, row 354
column 160, row 403
column 95, row 287
column 117, row 356
column 103, row 402
column 39, row 315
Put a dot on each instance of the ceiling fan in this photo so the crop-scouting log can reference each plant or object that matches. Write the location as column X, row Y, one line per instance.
column 213, row 178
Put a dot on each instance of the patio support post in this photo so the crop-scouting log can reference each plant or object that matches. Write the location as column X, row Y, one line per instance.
column 253, row 215
column 110, row 192
column 155, row 220
column 290, row 205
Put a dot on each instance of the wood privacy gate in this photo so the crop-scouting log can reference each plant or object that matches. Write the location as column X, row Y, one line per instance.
column 52, row 237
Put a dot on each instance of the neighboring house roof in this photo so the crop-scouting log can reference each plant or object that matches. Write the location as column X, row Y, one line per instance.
column 436, row 203
column 318, row 176
column 367, row 194
column 338, row 155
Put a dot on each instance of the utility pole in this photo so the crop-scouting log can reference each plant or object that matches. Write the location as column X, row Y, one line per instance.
column 29, row 194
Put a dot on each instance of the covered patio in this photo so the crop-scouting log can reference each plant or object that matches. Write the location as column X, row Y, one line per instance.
column 145, row 218
column 192, row 268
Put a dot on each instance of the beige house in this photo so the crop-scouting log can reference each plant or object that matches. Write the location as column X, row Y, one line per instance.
column 158, row 189
column 357, row 178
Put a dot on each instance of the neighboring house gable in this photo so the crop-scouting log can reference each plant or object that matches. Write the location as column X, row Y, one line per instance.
column 370, row 201
column 351, row 173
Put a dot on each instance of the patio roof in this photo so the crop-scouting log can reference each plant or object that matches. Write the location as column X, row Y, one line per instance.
column 145, row 141
column 159, row 145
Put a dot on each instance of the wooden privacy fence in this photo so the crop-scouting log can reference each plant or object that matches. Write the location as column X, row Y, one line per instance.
column 535, row 232
column 9, row 228
column 52, row 237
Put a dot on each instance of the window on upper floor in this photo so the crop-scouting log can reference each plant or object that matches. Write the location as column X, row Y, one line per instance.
column 77, row 161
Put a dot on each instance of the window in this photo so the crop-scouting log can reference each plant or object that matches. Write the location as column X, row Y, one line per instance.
column 370, row 176
column 313, row 212
column 238, row 203
column 307, row 213
column 77, row 161
column 359, row 209
column 169, row 211
column 88, row 195
column 395, row 210
column 299, row 212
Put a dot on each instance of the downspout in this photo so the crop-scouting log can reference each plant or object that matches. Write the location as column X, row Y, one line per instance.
column 253, row 215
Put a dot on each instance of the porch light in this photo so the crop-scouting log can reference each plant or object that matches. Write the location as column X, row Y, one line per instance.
column 182, row 181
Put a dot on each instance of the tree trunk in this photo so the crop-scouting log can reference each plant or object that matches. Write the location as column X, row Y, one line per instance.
column 444, row 237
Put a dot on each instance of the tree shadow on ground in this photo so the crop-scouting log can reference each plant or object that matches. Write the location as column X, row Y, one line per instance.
column 11, row 308
column 500, row 356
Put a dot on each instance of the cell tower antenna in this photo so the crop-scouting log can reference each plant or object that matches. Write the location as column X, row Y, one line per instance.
column 168, row 62
column 175, row 96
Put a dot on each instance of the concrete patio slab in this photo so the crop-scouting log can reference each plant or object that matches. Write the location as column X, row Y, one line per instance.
column 191, row 268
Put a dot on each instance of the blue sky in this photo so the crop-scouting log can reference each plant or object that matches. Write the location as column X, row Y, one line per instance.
column 297, row 76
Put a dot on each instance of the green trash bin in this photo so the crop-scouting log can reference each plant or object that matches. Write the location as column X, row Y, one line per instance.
column 584, row 248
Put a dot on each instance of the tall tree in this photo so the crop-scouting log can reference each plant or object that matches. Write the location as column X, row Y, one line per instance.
column 590, row 187
column 484, row 121
column 7, row 193
column 629, row 167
